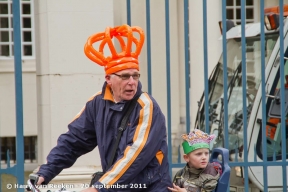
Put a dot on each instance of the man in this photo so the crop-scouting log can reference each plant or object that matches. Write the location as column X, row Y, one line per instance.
column 141, row 162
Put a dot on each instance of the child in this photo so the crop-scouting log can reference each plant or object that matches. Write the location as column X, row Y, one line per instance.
column 198, row 174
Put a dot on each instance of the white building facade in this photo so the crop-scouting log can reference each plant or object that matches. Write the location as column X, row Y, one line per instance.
column 58, row 78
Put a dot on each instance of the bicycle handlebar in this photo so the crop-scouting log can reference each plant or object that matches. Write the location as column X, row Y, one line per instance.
column 32, row 181
column 32, row 184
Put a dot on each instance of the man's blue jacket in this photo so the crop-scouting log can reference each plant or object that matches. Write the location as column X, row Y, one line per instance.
column 141, row 157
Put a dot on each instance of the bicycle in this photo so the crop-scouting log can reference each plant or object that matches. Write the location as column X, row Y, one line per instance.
column 32, row 185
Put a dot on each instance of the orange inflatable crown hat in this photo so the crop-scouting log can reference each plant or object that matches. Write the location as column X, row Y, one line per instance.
column 117, row 61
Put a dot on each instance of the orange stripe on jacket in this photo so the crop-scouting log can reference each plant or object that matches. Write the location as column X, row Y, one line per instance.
column 160, row 156
column 139, row 140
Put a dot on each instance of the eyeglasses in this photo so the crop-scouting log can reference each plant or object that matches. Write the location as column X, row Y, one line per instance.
column 127, row 76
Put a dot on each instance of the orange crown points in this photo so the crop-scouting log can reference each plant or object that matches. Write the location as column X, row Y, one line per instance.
column 126, row 59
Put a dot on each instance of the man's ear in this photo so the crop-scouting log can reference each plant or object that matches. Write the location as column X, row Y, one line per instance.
column 108, row 79
column 186, row 158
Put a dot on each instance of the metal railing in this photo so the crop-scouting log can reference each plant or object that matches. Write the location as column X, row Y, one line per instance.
column 245, row 164
column 18, row 169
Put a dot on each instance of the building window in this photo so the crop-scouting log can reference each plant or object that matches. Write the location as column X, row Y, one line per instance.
column 233, row 11
column 6, row 29
column 8, row 148
column 9, row 144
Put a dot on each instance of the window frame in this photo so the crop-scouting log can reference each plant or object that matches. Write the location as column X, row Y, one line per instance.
column 235, row 7
column 270, row 144
column 9, row 143
column 10, row 30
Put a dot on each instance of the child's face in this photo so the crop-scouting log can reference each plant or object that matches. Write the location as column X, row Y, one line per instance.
column 198, row 158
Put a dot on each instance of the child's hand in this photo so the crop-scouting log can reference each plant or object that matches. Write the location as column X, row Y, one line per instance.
column 177, row 188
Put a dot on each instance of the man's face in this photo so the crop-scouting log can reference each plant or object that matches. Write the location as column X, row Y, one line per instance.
column 198, row 158
column 123, row 84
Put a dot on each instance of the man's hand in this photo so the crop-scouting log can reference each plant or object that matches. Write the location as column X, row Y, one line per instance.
column 40, row 180
column 177, row 188
column 90, row 189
